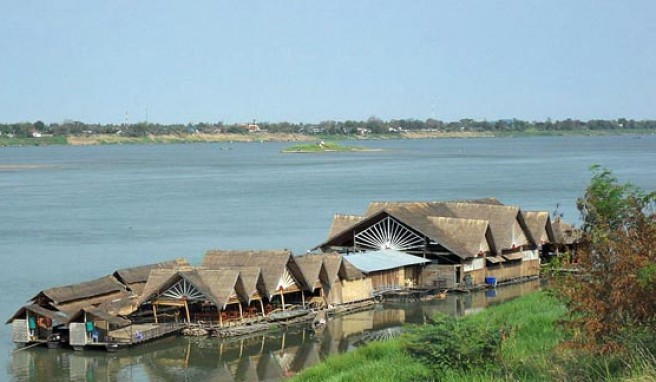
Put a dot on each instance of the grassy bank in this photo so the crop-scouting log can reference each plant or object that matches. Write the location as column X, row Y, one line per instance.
column 44, row 141
column 531, row 352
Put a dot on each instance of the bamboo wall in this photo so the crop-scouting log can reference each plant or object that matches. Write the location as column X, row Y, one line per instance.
column 433, row 273
column 356, row 290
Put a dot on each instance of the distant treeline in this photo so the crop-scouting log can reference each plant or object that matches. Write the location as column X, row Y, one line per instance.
column 370, row 126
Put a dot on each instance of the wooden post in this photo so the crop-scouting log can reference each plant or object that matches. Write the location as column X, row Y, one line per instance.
column 187, row 310
column 241, row 312
column 282, row 299
column 220, row 316
column 262, row 307
column 303, row 298
column 155, row 312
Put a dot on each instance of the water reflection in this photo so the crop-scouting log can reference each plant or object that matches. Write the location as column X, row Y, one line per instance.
column 268, row 357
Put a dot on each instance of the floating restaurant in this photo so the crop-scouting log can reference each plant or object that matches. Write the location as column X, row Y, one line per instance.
column 394, row 247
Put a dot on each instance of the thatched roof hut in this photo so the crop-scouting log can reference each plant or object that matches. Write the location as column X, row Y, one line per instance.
column 539, row 224
column 220, row 287
column 313, row 270
column 507, row 228
column 135, row 278
column 565, row 234
column 93, row 314
column 279, row 269
column 342, row 222
column 57, row 317
column 338, row 269
column 85, row 290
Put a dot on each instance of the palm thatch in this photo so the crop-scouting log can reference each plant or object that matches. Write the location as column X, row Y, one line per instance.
column 539, row 224
column 75, row 292
column 156, row 281
column 100, row 314
column 275, row 264
column 312, row 268
column 57, row 317
column 253, row 283
column 338, row 269
column 342, row 222
column 220, row 287
column 565, row 233
column 135, row 278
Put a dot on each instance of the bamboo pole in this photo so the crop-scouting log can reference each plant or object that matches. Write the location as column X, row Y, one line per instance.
column 155, row 312
column 187, row 311
column 220, row 316
column 282, row 299
column 262, row 307
column 303, row 298
column 241, row 312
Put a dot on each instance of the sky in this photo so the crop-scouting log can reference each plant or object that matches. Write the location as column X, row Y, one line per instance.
column 310, row 61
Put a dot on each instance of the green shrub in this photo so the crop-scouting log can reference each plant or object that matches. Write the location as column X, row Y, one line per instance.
column 454, row 343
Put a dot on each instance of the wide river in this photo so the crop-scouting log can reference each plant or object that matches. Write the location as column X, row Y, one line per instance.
column 69, row 214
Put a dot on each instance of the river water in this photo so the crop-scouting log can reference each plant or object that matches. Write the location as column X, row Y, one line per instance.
column 74, row 213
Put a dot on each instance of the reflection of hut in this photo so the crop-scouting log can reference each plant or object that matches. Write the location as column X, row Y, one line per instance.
column 283, row 279
column 198, row 295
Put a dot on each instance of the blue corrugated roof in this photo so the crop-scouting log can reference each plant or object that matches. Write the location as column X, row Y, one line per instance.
column 382, row 260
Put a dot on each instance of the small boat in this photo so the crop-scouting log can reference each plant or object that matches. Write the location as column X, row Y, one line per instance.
column 284, row 315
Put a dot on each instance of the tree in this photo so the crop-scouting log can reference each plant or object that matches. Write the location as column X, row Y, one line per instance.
column 612, row 300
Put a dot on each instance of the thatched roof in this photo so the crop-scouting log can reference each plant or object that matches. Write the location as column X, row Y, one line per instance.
column 565, row 233
column 140, row 274
column 57, row 317
column 218, row 286
column 342, row 222
column 311, row 266
column 81, row 291
column 507, row 225
column 156, row 280
column 253, row 282
column 464, row 237
column 337, row 268
column 273, row 264
column 539, row 224
column 100, row 314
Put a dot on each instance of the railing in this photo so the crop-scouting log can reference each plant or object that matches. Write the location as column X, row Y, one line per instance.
column 142, row 336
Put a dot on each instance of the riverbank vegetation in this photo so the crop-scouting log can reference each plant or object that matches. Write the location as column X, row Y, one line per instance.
column 80, row 133
column 593, row 325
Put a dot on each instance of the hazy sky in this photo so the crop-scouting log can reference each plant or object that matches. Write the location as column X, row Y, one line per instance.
column 307, row 61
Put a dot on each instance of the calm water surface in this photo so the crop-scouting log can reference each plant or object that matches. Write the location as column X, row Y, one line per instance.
column 74, row 213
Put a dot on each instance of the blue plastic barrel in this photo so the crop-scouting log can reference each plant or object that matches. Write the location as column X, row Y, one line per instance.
column 491, row 280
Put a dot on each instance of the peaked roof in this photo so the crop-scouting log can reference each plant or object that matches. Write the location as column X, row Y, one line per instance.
column 156, row 280
column 310, row 266
column 337, row 268
column 101, row 314
column 565, row 233
column 272, row 263
column 140, row 274
column 84, row 290
column 502, row 218
column 57, row 317
column 385, row 259
column 539, row 224
column 342, row 222
column 218, row 285
column 253, row 281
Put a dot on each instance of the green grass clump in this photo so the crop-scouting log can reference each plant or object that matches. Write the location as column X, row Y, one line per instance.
column 43, row 141
column 379, row 361
column 321, row 147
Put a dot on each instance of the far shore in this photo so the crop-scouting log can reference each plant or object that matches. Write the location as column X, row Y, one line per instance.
column 112, row 139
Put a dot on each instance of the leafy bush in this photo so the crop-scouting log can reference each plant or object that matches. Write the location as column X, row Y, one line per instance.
column 454, row 343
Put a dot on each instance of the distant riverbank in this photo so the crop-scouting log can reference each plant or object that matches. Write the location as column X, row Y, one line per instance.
column 113, row 139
